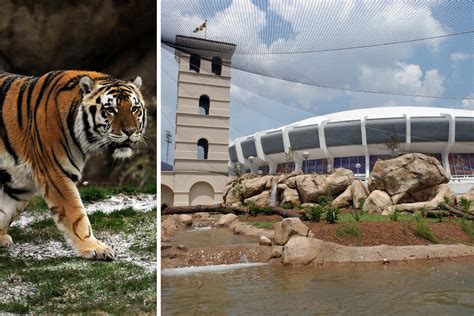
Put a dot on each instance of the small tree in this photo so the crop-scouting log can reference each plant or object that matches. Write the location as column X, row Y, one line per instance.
column 393, row 142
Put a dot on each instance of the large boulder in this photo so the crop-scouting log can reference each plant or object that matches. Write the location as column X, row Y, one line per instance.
column 312, row 186
column 443, row 192
column 262, row 199
column 344, row 199
column 408, row 173
column 288, row 227
column 377, row 201
column 233, row 197
column 338, row 181
column 290, row 196
column 170, row 225
column 359, row 193
column 252, row 187
column 226, row 220
column 308, row 188
column 299, row 250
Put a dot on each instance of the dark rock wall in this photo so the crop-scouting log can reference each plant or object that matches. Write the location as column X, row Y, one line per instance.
column 117, row 37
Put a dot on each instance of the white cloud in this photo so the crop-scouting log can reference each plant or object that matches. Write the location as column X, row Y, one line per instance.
column 469, row 104
column 403, row 79
column 458, row 56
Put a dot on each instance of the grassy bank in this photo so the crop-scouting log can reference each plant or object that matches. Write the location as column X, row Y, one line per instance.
column 39, row 273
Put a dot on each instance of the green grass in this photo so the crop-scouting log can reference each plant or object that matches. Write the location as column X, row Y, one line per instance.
column 468, row 227
column 421, row 229
column 366, row 217
column 349, row 229
column 75, row 285
column 265, row 225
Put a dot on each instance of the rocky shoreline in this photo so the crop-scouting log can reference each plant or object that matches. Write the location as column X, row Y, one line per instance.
column 290, row 243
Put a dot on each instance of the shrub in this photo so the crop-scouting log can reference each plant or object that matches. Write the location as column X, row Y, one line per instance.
column 394, row 215
column 315, row 213
column 351, row 229
column 287, row 205
column 332, row 215
column 324, row 200
column 465, row 204
column 423, row 230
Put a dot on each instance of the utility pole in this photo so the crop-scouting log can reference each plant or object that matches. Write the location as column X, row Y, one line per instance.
column 168, row 140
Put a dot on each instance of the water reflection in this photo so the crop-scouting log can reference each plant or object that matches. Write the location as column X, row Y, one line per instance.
column 436, row 288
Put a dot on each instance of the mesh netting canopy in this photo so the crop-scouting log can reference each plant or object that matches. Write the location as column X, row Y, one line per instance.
column 342, row 45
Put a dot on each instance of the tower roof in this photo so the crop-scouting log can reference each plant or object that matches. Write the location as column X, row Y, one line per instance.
column 204, row 47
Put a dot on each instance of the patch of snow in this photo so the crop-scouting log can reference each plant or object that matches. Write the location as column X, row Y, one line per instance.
column 140, row 203
column 41, row 251
column 14, row 289
column 207, row 269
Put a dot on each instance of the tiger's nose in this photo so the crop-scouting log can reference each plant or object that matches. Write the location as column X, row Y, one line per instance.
column 129, row 131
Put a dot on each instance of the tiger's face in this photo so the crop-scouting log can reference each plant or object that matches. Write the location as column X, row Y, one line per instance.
column 113, row 114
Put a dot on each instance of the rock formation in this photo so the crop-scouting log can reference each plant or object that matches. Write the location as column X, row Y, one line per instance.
column 406, row 183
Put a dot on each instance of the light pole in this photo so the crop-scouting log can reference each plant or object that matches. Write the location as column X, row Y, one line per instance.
column 305, row 155
column 358, row 165
column 251, row 159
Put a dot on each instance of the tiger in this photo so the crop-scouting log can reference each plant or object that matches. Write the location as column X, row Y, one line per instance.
column 49, row 126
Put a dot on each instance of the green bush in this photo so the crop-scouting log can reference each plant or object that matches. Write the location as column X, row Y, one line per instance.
column 423, row 230
column 324, row 201
column 315, row 213
column 332, row 214
column 394, row 215
column 350, row 229
column 287, row 205
column 465, row 204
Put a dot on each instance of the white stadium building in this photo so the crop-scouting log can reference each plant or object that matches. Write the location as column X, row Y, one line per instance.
column 356, row 139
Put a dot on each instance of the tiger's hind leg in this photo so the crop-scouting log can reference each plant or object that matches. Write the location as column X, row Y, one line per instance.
column 10, row 209
column 15, row 192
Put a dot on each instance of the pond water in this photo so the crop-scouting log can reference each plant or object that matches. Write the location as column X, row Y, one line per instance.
column 415, row 288
column 208, row 237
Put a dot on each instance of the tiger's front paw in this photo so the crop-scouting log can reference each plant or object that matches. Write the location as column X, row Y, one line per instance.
column 97, row 250
column 5, row 241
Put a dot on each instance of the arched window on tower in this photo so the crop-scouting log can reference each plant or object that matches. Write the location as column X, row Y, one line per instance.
column 216, row 65
column 202, row 148
column 195, row 62
column 204, row 105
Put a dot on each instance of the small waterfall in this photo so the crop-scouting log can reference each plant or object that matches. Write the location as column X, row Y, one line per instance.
column 243, row 258
column 273, row 195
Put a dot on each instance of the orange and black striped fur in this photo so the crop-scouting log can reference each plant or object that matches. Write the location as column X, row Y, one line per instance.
column 48, row 127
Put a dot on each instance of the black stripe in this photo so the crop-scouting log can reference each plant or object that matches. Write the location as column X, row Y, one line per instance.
column 49, row 77
column 3, row 131
column 19, row 105
column 90, row 138
column 5, row 177
column 69, row 156
column 70, row 175
column 71, row 118
column 9, row 190
column 28, row 99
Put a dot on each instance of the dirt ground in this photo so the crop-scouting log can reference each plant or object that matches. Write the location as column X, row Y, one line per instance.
column 379, row 233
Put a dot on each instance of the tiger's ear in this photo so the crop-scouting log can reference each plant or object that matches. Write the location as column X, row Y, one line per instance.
column 137, row 82
column 87, row 84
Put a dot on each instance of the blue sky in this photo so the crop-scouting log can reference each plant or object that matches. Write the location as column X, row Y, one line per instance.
column 442, row 67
